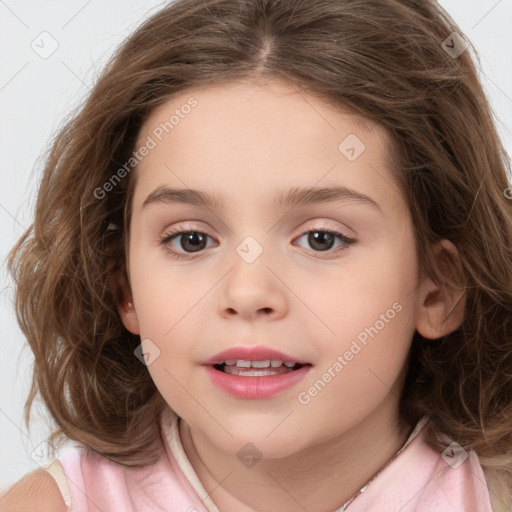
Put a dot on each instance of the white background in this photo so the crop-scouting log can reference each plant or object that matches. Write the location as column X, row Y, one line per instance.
column 36, row 94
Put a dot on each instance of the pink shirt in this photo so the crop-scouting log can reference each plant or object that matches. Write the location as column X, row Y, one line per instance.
column 417, row 480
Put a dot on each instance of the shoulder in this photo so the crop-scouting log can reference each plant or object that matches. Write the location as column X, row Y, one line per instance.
column 35, row 491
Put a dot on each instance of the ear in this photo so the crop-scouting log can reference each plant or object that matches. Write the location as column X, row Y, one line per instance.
column 441, row 304
column 125, row 307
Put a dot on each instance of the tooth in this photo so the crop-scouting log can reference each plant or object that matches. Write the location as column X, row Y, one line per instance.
column 261, row 364
column 275, row 364
column 249, row 373
column 289, row 364
column 243, row 364
column 259, row 373
column 230, row 362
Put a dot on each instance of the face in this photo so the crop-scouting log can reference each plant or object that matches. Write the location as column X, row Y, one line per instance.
column 331, row 284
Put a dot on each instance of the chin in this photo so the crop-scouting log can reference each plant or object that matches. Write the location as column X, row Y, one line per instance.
column 260, row 441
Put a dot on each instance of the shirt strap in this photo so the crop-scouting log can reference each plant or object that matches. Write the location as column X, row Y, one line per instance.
column 57, row 471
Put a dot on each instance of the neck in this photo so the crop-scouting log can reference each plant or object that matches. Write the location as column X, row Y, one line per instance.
column 324, row 476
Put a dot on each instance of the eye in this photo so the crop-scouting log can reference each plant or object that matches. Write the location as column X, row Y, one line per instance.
column 188, row 241
column 323, row 240
column 180, row 242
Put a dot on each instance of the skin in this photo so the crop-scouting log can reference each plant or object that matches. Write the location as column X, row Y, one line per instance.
column 248, row 141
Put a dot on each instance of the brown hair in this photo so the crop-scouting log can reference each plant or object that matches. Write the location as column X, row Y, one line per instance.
column 383, row 59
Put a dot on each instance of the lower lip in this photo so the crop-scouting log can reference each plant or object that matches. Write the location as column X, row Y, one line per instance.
column 256, row 387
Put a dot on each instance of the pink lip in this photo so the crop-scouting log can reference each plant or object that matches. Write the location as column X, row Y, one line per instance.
column 255, row 387
column 252, row 354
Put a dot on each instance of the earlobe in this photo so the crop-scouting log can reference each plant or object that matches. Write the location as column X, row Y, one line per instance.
column 125, row 305
column 441, row 304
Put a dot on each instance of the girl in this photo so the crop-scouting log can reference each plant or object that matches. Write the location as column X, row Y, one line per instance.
column 270, row 269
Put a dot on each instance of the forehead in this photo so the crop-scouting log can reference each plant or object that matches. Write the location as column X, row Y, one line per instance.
column 270, row 133
column 242, row 104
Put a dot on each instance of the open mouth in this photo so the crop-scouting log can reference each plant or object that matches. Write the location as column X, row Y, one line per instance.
column 256, row 368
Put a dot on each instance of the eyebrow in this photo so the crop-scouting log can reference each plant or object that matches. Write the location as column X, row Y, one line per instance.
column 294, row 196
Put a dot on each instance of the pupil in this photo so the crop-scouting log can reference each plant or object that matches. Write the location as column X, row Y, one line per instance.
column 317, row 240
column 318, row 237
column 192, row 238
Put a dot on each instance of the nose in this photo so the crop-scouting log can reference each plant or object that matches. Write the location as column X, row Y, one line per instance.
column 252, row 291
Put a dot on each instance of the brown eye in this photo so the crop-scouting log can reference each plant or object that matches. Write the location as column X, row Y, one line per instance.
column 323, row 240
column 192, row 241
column 180, row 242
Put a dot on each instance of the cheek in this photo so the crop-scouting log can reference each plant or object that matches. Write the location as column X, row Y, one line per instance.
column 166, row 294
column 358, row 371
column 368, row 313
column 367, row 351
column 369, row 289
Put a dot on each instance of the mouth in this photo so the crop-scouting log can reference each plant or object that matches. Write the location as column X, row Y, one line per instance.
column 255, row 373
column 243, row 368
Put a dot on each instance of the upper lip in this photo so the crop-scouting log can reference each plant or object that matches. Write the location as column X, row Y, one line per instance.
column 246, row 353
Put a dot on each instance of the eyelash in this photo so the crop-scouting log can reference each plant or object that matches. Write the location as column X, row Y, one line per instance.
column 173, row 233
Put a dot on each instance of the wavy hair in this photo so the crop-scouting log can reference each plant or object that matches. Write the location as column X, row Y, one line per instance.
column 386, row 60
